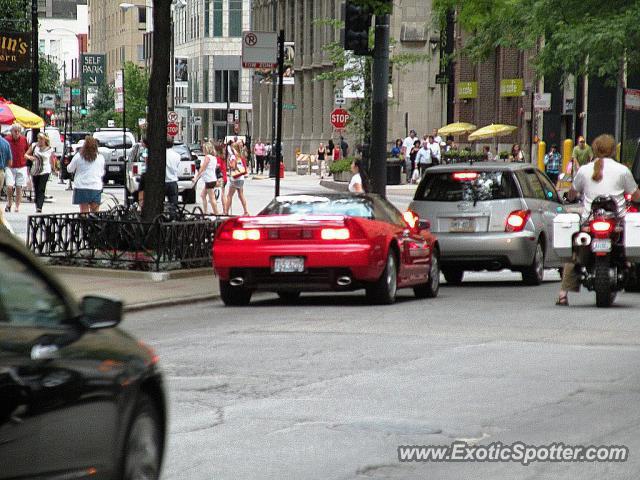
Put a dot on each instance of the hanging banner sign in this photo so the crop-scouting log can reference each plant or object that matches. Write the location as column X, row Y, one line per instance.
column 15, row 51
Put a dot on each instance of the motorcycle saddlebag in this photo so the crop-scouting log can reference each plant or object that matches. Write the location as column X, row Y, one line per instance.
column 565, row 225
column 632, row 236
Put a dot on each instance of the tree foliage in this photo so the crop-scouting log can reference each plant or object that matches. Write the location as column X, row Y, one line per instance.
column 583, row 37
column 16, row 86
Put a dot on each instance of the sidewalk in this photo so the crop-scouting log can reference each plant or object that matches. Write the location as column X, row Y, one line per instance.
column 138, row 290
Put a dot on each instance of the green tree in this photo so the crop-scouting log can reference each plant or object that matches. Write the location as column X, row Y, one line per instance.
column 580, row 37
column 16, row 86
column 136, row 89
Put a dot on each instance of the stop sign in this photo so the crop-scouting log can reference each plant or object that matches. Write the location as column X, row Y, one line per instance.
column 172, row 129
column 339, row 118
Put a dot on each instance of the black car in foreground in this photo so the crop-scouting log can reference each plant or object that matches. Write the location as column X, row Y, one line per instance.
column 79, row 398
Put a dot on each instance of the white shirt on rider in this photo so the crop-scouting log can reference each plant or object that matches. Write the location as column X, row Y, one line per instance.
column 616, row 181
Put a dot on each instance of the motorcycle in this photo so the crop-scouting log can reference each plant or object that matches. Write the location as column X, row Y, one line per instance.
column 600, row 249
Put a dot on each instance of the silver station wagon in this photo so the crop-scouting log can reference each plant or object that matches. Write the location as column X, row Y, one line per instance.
column 490, row 216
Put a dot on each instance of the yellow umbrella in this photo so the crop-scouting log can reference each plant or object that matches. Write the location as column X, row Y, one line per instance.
column 12, row 113
column 492, row 131
column 458, row 128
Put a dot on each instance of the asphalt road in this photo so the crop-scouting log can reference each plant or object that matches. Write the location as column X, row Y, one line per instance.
column 328, row 388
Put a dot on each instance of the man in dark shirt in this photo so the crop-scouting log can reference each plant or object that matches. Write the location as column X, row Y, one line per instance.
column 344, row 146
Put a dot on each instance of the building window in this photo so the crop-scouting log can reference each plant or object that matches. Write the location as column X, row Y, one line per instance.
column 235, row 18
column 217, row 18
column 140, row 53
column 205, row 85
column 207, row 12
column 227, row 82
column 142, row 14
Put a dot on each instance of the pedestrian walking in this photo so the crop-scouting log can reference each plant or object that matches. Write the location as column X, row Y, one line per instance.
column 407, row 145
column 553, row 164
column 221, row 173
column 436, row 137
column 259, row 151
column 238, row 171
column 208, row 174
column 171, row 174
column 321, row 153
column 423, row 159
column 516, row 154
column 581, row 155
column 42, row 164
column 88, row 168
column 436, row 153
column 344, row 146
column 16, row 176
column 360, row 180
column 413, row 154
column 5, row 159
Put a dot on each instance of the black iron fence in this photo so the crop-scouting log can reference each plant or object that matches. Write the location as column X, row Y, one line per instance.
column 118, row 238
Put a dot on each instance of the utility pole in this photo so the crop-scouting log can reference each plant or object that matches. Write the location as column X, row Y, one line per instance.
column 35, row 53
column 380, row 106
column 274, row 76
column 279, row 133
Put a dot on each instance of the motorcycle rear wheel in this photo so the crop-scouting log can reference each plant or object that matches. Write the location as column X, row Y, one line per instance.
column 605, row 294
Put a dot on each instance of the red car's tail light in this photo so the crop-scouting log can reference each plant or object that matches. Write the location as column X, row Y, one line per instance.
column 335, row 234
column 249, row 234
column 411, row 218
column 465, row 176
column 517, row 220
column 601, row 226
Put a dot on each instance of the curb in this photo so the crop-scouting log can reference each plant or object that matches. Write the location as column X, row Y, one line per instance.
column 153, row 276
column 138, row 307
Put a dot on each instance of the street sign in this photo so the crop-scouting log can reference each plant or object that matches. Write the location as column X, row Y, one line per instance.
column 289, row 106
column 47, row 100
column 119, row 93
column 197, row 121
column 93, row 65
column 75, row 92
column 172, row 129
column 511, row 87
column 259, row 49
column 442, row 79
column 66, row 95
column 631, row 99
column 172, row 117
column 339, row 118
column 111, row 123
column 542, row 101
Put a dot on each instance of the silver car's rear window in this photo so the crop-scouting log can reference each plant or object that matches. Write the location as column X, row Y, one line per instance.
column 468, row 186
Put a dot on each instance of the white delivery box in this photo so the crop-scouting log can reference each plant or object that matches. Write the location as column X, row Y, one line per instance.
column 565, row 226
column 632, row 236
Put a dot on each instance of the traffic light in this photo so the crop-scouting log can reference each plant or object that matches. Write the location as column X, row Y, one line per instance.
column 83, row 110
column 357, row 20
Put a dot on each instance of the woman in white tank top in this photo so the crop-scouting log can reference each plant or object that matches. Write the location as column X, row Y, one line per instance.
column 208, row 174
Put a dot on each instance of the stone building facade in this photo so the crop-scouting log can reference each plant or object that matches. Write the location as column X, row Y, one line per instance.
column 414, row 94
column 208, row 34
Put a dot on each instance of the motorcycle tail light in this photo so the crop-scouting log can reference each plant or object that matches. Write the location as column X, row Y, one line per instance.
column 517, row 220
column 601, row 226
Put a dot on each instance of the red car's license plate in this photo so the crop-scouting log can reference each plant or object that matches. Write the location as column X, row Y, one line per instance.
column 288, row 265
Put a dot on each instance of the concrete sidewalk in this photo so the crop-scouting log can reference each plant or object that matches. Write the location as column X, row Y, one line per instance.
column 140, row 290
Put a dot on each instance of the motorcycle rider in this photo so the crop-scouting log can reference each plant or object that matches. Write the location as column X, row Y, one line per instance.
column 603, row 176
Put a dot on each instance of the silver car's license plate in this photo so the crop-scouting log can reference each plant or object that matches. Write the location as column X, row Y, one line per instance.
column 288, row 265
column 114, row 169
column 462, row 225
column 601, row 245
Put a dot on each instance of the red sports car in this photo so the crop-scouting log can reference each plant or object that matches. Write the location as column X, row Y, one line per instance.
column 326, row 242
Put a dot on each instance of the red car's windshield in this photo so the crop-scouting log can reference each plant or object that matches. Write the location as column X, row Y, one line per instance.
column 320, row 205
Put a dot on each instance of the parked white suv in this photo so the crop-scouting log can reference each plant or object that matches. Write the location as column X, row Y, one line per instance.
column 111, row 144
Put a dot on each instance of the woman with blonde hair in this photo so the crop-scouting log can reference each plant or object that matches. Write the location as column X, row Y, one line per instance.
column 208, row 174
column 42, row 164
column 238, row 170
column 604, row 176
column 88, row 166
